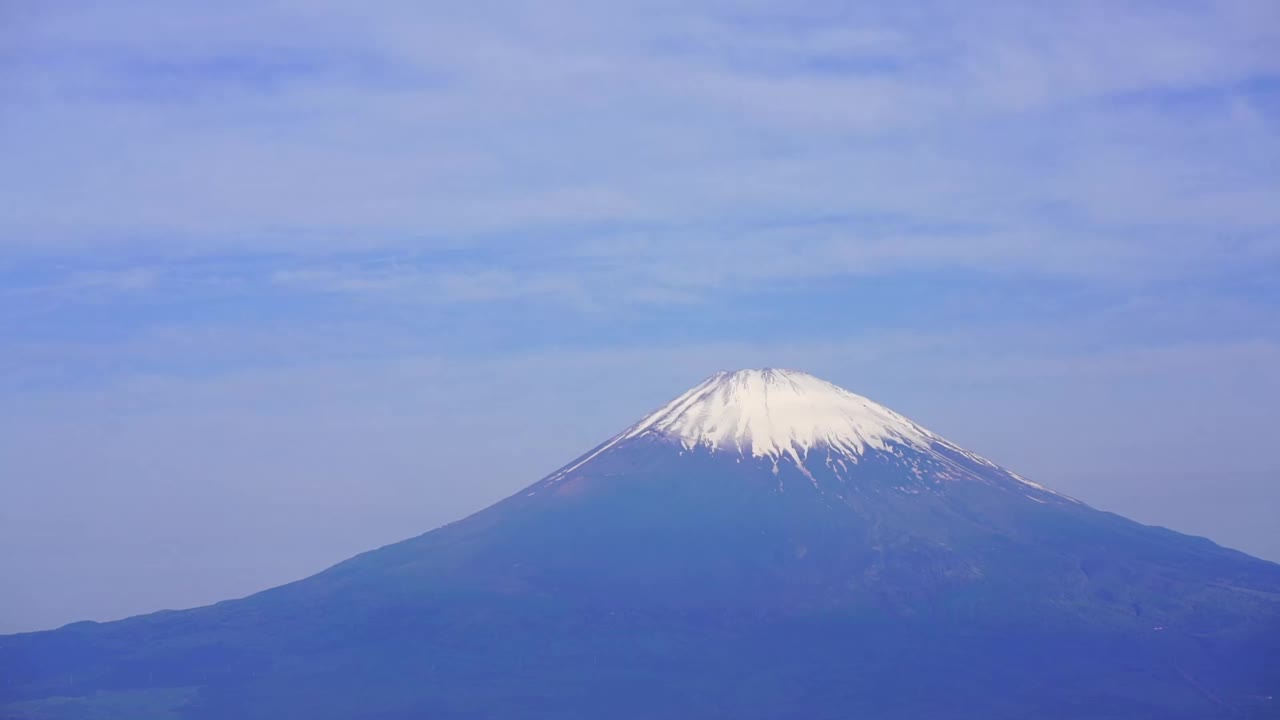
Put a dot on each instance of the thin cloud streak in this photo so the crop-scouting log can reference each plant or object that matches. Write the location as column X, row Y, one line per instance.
column 556, row 118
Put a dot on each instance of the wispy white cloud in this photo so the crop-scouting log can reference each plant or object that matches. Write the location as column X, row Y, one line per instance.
column 304, row 128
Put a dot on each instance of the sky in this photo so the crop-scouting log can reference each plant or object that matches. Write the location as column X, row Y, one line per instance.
column 283, row 281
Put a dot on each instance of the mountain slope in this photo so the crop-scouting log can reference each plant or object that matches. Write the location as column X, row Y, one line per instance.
column 766, row 545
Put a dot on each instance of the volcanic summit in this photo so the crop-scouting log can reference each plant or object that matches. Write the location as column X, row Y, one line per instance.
column 766, row 545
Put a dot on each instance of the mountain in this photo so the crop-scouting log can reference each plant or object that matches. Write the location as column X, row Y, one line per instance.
column 766, row 545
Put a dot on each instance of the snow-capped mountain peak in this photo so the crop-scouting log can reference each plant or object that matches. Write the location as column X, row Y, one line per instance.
column 772, row 413
column 776, row 415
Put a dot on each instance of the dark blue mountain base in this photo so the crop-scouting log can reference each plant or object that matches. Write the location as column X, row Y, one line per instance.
column 659, row 581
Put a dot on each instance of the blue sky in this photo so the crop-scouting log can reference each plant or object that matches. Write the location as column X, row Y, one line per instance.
column 284, row 281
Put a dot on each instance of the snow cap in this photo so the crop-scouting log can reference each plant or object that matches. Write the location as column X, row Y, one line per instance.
column 773, row 412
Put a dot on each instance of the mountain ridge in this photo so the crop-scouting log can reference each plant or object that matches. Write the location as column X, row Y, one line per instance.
column 660, row 575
